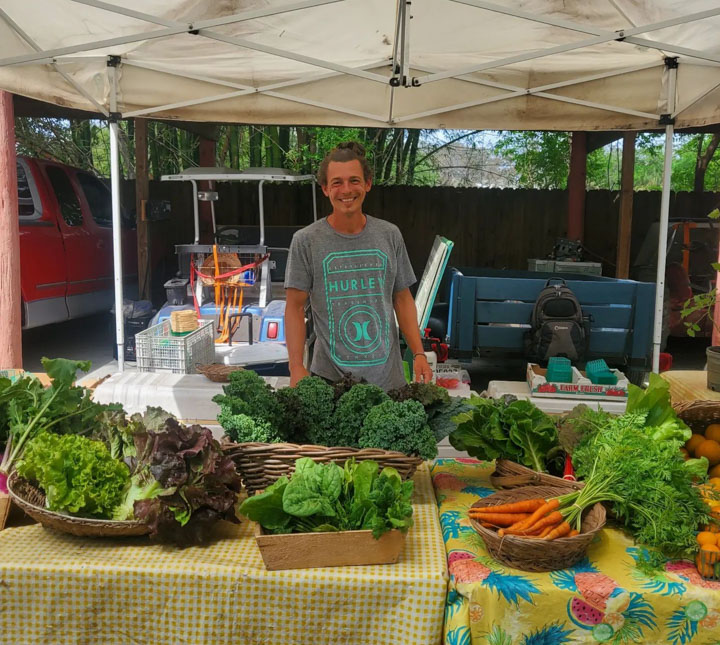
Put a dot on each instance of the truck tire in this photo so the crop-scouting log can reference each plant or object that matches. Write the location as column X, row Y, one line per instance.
column 637, row 376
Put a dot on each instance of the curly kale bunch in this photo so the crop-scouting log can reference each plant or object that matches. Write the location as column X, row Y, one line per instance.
column 242, row 428
column 316, row 404
column 401, row 426
column 428, row 394
column 346, row 383
column 249, row 409
column 350, row 413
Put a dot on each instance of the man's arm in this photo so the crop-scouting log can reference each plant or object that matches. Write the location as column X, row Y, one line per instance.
column 295, row 333
column 407, row 320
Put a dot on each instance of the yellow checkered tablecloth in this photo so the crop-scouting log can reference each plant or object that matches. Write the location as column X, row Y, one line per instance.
column 603, row 598
column 56, row 588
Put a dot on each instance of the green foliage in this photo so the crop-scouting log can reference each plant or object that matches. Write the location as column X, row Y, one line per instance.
column 427, row 394
column 505, row 428
column 316, row 403
column 541, row 159
column 242, row 428
column 326, row 497
column 350, row 413
column 78, row 475
column 33, row 409
column 654, row 494
column 248, row 394
column 401, row 426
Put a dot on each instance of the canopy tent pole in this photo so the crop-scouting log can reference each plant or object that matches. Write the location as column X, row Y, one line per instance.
column 10, row 334
column 113, row 62
column 671, row 64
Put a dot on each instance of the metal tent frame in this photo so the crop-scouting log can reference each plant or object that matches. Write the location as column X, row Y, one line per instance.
column 399, row 73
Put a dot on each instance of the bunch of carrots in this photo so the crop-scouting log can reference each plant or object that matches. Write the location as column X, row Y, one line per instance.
column 541, row 518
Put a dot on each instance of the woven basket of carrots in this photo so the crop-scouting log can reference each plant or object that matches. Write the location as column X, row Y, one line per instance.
column 537, row 528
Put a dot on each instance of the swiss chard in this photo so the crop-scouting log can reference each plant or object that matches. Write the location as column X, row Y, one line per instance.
column 504, row 428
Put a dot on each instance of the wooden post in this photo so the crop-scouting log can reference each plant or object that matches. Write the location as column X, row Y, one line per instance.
column 142, row 194
column 10, row 313
column 206, row 158
column 622, row 269
column 576, row 186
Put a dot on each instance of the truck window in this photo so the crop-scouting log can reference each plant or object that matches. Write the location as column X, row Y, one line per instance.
column 98, row 197
column 66, row 196
column 26, row 204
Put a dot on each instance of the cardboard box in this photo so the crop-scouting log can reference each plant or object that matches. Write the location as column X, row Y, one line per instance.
column 332, row 549
column 580, row 388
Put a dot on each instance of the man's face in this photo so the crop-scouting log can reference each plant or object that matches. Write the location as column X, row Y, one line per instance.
column 346, row 187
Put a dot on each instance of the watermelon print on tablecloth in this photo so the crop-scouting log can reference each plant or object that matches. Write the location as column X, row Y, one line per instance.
column 602, row 599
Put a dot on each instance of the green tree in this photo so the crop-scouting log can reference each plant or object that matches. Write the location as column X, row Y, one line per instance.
column 541, row 159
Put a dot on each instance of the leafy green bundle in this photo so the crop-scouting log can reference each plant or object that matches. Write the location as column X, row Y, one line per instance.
column 27, row 409
column 342, row 415
column 181, row 483
column 78, row 475
column 326, row 497
column 650, row 487
column 505, row 428
column 652, row 490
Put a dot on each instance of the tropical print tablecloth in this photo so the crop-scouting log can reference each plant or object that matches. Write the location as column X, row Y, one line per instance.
column 60, row 589
column 602, row 599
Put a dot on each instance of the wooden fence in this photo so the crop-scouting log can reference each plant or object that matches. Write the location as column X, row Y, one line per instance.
column 491, row 227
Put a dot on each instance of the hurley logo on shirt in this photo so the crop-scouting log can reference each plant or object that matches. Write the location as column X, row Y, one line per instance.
column 354, row 293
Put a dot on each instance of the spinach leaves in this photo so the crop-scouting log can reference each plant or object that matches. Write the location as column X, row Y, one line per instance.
column 326, row 497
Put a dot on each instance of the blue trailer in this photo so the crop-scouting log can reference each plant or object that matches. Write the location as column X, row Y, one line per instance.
column 488, row 313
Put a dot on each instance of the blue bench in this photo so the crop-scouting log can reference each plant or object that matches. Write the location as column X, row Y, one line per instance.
column 489, row 313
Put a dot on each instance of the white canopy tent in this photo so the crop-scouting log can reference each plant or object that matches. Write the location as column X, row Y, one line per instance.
column 535, row 65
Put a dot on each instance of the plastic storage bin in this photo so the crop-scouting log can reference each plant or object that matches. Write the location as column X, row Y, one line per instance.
column 559, row 370
column 587, row 268
column 157, row 349
column 176, row 291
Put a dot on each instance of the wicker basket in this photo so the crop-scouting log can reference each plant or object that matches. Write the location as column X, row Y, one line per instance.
column 508, row 474
column 260, row 464
column 226, row 262
column 538, row 555
column 218, row 372
column 32, row 500
column 698, row 414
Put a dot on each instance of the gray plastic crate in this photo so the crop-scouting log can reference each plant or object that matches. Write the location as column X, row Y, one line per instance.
column 158, row 350
column 548, row 266
column 586, row 268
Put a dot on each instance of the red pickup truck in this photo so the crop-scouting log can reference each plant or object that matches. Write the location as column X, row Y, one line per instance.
column 66, row 250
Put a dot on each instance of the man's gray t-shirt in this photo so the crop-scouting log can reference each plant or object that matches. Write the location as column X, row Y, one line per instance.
column 351, row 280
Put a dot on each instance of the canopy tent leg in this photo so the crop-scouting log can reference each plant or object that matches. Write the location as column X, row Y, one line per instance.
column 671, row 64
column 10, row 315
column 116, row 223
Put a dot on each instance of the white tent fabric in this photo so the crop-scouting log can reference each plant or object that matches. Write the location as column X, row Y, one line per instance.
column 539, row 64
column 535, row 65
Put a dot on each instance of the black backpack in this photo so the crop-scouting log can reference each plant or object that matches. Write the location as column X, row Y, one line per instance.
column 557, row 325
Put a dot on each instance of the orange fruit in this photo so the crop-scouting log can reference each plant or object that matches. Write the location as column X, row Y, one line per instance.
column 710, row 553
column 709, row 449
column 685, row 453
column 705, row 537
column 693, row 442
column 714, row 482
column 712, row 528
column 714, row 471
column 713, row 432
column 705, row 569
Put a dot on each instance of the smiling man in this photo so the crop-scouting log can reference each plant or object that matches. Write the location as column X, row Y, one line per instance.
column 356, row 271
